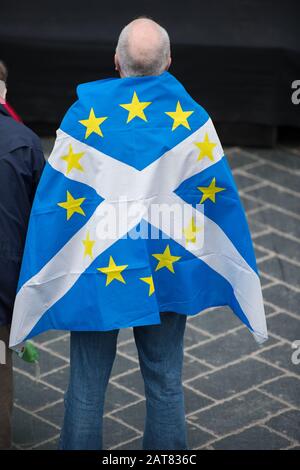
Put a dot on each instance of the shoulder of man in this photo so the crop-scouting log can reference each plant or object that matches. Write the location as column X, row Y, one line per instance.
column 14, row 135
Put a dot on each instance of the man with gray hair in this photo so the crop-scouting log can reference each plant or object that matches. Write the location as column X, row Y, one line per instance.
column 131, row 143
column 143, row 49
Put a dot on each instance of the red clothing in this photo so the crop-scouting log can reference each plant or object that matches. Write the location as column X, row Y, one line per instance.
column 10, row 110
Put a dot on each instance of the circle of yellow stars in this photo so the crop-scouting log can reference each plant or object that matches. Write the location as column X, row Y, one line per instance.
column 72, row 205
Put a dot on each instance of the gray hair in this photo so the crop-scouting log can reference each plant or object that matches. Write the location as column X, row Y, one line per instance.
column 148, row 61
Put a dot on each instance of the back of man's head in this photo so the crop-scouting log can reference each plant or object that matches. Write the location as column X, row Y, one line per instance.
column 143, row 49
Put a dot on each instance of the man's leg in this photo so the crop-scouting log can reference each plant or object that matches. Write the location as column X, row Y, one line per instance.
column 91, row 359
column 160, row 349
column 6, row 389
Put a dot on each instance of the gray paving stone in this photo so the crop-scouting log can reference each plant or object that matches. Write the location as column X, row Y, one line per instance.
column 29, row 430
column 285, row 326
column 237, row 413
column 279, row 155
column 135, row 444
column 129, row 349
column 48, row 336
column 276, row 175
column 281, row 221
column 280, row 244
column 134, row 415
column 259, row 253
column 243, row 182
column 281, row 270
column 287, row 423
column 61, row 347
column 197, row 437
column 284, row 297
column 122, row 365
column 234, row 379
column 249, row 204
column 238, row 159
column 31, row 394
column 277, row 197
column 133, row 381
column 194, row 401
column 116, row 398
column 269, row 309
column 228, row 348
column 114, row 433
column 256, row 228
column 193, row 336
column 216, row 321
column 256, row 438
column 192, row 367
column 54, row 413
column 59, row 379
column 51, row 445
column 281, row 356
column 125, row 334
column 264, row 281
column 286, row 388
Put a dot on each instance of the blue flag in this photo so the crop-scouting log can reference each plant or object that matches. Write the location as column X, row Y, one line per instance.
column 136, row 213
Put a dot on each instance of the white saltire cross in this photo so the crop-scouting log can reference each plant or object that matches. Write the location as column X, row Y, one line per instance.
column 112, row 180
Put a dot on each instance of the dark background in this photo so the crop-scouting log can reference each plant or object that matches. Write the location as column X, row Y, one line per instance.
column 238, row 58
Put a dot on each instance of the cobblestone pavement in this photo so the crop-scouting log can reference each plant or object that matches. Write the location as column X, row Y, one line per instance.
column 238, row 395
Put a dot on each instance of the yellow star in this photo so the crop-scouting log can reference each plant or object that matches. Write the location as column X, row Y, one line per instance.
column 92, row 124
column 180, row 117
column 113, row 271
column 166, row 260
column 149, row 280
column 209, row 192
column 190, row 232
column 72, row 160
column 136, row 108
column 88, row 246
column 206, row 148
column 72, row 205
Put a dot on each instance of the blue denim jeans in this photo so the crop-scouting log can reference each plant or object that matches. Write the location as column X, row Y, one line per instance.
column 160, row 351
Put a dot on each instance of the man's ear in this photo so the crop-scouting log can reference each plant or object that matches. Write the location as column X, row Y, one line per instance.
column 117, row 67
column 169, row 63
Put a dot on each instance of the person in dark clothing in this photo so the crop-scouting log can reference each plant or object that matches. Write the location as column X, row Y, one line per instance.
column 3, row 91
column 21, row 164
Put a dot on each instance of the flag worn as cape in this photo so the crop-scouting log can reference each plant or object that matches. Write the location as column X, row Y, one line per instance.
column 101, row 253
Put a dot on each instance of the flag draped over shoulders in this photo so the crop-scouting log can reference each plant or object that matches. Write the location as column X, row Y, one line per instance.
column 101, row 253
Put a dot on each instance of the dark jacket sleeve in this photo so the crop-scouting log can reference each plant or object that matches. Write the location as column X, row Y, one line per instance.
column 37, row 162
column 20, row 171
